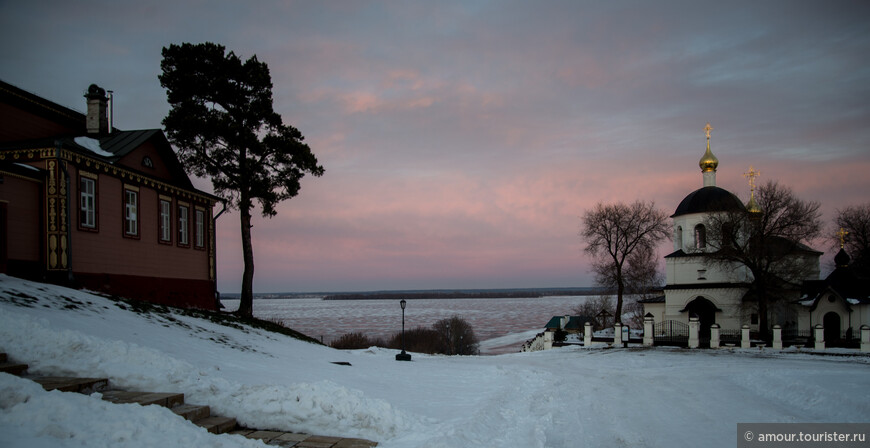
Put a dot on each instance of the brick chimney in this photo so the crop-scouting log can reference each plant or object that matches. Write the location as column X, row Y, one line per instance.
column 98, row 117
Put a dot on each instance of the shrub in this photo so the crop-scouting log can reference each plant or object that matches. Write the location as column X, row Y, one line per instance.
column 352, row 341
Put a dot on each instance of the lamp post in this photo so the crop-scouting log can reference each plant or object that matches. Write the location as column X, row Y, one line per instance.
column 403, row 356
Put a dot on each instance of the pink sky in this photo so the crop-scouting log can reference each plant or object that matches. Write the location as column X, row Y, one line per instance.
column 462, row 141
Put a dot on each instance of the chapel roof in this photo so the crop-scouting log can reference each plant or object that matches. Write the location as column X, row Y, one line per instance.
column 709, row 199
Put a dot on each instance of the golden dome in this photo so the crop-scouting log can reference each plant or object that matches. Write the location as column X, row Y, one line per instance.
column 752, row 206
column 708, row 162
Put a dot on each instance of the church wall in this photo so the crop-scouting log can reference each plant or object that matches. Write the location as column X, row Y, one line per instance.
column 726, row 299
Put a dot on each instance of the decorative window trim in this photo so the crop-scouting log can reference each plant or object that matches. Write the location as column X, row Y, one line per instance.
column 200, row 229
column 96, row 196
column 183, row 223
column 164, row 227
column 125, row 207
column 700, row 237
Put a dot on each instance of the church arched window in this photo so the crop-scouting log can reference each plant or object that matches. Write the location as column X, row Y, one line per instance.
column 679, row 237
column 700, row 236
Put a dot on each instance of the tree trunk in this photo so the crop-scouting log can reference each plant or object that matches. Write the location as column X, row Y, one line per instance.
column 246, row 304
column 620, row 290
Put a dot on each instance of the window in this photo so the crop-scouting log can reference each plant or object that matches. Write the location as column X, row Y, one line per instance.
column 131, row 212
column 183, row 223
column 165, row 220
column 88, row 203
column 700, row 237
column 199, row 226
column 679, row 238
column 702, row 274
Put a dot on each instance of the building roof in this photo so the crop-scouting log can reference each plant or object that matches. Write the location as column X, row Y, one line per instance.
column 845, row 281
column 657, row 299
column 574, row 322
column 709, row 199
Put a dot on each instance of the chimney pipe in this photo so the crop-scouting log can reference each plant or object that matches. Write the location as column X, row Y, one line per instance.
column 97, row 119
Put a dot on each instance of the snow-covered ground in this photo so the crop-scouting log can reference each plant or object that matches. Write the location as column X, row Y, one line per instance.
column 558, row 398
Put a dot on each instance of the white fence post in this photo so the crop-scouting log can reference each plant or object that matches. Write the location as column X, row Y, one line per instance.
column 617, row 334
column 714, row 336
column 587, row 334
column 694, row 329
column 648, row 328
column 777, row 337
column 865, row 338
column 820, row 337
column 744, row 337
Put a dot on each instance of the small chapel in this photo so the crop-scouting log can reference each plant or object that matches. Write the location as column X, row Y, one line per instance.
column 718, row 293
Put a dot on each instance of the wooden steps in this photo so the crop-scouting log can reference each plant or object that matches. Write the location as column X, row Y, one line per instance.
column 11, row 367
column 198, row 415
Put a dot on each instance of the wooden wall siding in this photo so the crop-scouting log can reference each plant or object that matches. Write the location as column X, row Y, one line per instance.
column 175, row 292
column 24, row 207
column 107, row 251
column 133, row 161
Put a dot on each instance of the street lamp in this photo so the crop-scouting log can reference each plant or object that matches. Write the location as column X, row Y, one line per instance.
column 403, row 356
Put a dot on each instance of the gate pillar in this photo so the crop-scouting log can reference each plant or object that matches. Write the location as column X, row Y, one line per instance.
column 649, row 324
column 694, row 329
column 819, row 331
column 714, row 336
column 777, row 337
column 587, row 334
column 744, row 337
column 865, row 338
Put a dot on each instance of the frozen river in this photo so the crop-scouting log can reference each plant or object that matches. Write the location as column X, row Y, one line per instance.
column 502, row 325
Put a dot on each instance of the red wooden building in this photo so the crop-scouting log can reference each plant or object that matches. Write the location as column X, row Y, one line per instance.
column 85, row 204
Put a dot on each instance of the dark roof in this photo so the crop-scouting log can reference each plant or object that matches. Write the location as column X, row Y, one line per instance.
column 574, row 322
column 657, row 299
column 846, row 281
column 702, row 285
column 709, row 199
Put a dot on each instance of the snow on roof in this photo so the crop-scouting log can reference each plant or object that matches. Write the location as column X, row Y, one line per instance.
column 93, row 145
column 24, row 165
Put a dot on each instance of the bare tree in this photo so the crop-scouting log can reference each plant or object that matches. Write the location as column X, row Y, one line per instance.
column 614, row 233
column 855, row 220
column 457, row 336
column 600, row 309
column 770, row 243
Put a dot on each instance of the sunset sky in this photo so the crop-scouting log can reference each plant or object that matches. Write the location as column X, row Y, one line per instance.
column 462, row 141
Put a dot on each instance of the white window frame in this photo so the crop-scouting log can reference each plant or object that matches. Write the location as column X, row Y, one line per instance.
column 165, row 220
column 199, row 226
column 88, row 216
column 183, row 224
column 131, row 212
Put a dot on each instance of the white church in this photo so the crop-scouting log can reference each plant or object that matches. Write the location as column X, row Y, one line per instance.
column 718, row 294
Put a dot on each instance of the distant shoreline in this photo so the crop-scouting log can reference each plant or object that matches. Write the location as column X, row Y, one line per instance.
column 530, row 293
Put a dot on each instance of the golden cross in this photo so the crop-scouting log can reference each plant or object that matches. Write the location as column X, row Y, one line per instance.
column 707, row 129
column 842, row 234
column 751, row 175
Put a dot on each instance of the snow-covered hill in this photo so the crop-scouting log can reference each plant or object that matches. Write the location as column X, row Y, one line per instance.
column 558, row 398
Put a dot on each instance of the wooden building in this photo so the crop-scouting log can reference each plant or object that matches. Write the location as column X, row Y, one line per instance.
column 85, row 204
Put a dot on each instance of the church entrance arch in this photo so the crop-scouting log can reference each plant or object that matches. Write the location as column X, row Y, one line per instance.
column 705, row 310
column 831, row 322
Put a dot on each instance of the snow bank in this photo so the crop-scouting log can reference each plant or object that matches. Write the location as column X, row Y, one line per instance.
column 318, row 407
column 556, row 398
column 33, row 418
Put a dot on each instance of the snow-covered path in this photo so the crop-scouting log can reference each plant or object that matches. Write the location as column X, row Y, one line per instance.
column 559, row 398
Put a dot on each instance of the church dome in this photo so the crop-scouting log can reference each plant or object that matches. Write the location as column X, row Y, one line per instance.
column 708, row 199
column 708, row 162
